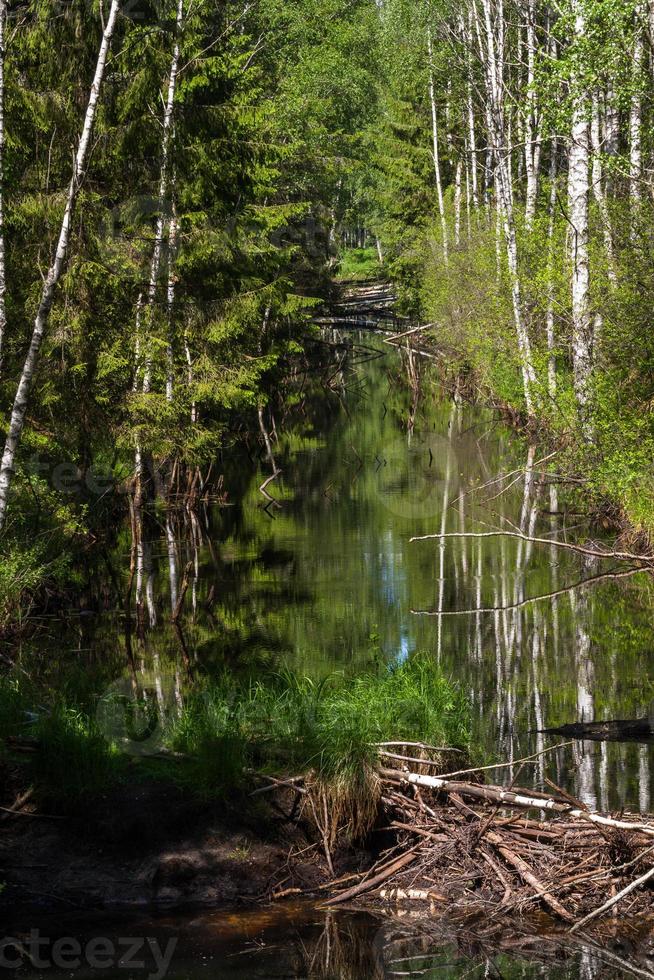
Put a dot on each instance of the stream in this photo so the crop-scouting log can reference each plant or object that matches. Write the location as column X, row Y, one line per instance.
column 324, row 578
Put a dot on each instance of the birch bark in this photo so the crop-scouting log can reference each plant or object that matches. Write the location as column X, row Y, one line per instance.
column 21, row 400
column 435, row 148
column 635, row 116
column 457, row 203
column 532, row 142
column 472, row 139
column 551, row 338
column 159, row 242
column 598, row 191
column 492, row 58
column 578, row 194
column 164, row 184
column 170, row 307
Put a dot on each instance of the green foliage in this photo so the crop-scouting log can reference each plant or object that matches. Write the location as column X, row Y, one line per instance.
column 24, row 570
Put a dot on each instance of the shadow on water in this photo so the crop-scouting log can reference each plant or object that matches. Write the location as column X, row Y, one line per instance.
column 298, row 940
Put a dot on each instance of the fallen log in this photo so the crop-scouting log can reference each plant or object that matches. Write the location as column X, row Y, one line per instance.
column 511, row 798
column 637, row 729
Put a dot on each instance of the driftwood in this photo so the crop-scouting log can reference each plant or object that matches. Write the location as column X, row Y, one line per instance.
column 475, row 847
column 638, row 729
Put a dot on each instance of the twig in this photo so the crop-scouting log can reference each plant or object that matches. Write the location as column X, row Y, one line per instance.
column 364, row 886
column 507, row 765
column 614, row 901
column 530, row 877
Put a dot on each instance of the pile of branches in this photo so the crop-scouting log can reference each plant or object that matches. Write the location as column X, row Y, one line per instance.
column 466, row 845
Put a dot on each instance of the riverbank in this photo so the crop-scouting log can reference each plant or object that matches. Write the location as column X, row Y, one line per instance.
column 150, row 846
column 437, row 845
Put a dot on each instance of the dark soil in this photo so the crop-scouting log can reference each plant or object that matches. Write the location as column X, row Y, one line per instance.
column 153, row 846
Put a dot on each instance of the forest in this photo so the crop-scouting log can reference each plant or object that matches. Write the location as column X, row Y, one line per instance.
column 326, row 487
column 177, row 194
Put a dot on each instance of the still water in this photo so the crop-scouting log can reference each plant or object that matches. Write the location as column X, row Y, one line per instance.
column 322, row 575
column 299, row 942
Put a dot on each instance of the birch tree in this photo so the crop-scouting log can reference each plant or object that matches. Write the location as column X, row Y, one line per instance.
column 163, row 199
column 49, row 290
column 532, row 140
column 578, row 193
column 435, row 146
column 491, row 41
column 599, row 192
column 635, row 115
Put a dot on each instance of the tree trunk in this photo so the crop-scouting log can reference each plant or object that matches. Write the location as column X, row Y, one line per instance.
column 48, row 292
column 532, row 142
column 578, row 193
column 164, row 188
column 437, row 166
column 551, row 341
column 457, row 204
column 491, row 57
column 598, row 190
column 635, row 118
column 170, row 305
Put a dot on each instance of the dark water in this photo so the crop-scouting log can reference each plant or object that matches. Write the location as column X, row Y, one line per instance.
column 326, row 578
column 298, row 941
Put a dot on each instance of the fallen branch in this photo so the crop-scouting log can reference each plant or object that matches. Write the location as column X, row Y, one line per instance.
column 364, row 886
column 614, row 901
column 531, row 879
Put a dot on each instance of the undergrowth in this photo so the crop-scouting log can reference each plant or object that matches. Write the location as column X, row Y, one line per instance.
column 281, row 724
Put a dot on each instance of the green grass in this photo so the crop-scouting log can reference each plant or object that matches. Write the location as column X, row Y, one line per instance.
column 291, row 725
column 74, row 762
column 359, row 263
column 280, row 723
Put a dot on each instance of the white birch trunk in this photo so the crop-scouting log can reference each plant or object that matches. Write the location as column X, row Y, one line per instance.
column 532, row 142
column 190, row 375
column 435, row 149
column 48, row 292
column 578, row 194
column 551, row 338
column 164, row 184
column 457, row 204
column 635, row 117
column 611, row 123
column 491, row 55
column 598, row 191
column 170, row 304
column 157, row 252
column 468, row 197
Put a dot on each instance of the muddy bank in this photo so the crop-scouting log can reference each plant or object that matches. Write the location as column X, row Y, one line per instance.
column 150, row 846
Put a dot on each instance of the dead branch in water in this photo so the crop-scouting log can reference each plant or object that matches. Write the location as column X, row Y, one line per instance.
column 552, row 542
